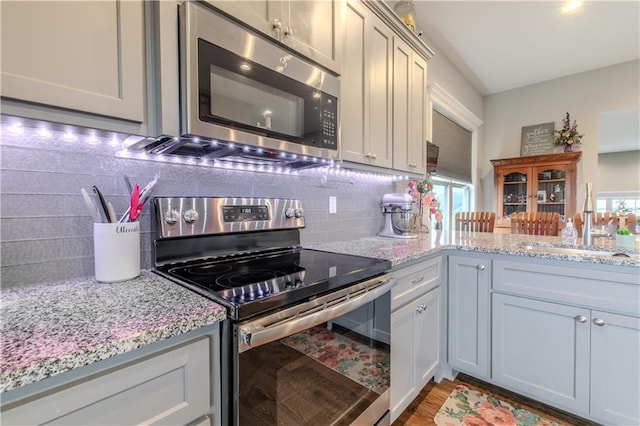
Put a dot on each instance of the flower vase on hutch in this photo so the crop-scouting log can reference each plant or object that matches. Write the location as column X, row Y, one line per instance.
column 568, row 137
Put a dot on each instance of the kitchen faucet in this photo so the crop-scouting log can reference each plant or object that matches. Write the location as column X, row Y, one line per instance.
column 588, row 212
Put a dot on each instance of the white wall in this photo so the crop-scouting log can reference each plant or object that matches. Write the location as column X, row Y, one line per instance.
column 442, row 73
column 583, row 95
column 619, row 172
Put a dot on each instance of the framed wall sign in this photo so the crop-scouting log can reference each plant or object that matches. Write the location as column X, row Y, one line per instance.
column 537, row 139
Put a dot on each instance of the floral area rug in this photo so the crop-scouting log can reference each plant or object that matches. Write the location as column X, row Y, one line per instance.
column 472, row 408
column 360, row 363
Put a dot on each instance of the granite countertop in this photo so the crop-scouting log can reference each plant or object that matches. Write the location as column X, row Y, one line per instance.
column 50, row 328
column 400, row 251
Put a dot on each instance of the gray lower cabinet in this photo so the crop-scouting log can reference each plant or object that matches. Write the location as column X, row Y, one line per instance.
column 468, row 313
column 615, row 368
column 416, row 307
column 174, row 385
column 542, row 349
column 569, row 336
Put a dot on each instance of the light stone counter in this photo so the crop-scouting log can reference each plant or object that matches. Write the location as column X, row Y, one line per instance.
column 50, row 328
column 400, row 251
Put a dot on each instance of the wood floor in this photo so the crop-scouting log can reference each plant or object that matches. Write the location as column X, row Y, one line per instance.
column 425, row 406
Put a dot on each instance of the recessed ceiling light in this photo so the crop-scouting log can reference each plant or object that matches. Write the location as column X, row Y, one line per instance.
column 571, row 5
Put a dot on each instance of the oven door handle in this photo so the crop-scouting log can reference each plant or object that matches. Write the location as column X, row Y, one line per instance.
column 326, row 308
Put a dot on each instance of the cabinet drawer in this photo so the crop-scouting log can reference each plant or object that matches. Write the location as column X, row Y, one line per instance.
column 414, row 281
column 170, row 388
column 607, row 290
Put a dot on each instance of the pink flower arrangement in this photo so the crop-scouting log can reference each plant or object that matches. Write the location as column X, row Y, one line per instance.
column 422, row 192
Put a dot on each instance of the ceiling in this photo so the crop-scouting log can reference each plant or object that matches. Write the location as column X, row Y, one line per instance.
column 503, row 45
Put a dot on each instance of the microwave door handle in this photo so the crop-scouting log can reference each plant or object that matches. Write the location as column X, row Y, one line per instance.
column 253, row 335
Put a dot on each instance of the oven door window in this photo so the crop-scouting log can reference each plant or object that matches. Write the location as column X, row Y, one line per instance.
column 332, row 373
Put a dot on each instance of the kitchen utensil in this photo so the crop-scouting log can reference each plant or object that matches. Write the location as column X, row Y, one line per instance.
column 104, row 209
column 148, row 189
column 91, row 207
column 135, row 202
column 143, row 196
column 127, row 182
column 112, row 212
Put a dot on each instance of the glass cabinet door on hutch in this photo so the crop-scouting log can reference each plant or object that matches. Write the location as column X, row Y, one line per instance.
column 515, row 192
column 540, row 183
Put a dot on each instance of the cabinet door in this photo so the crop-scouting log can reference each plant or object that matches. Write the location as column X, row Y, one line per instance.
column 353, row 114
column 427, row 334
column 83, row 56
column 380, row 63
column 311, row 28
column 366, row 88
column 615, row 368
column 469, row 280
column 418, row 138
column 513, row 190
column 542, row 350
column 414, row 348
column 314, row 30
column 551, row 189
column 409, row 108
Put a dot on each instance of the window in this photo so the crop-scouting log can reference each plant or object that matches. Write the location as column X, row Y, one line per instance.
column 627, row 202
column 454, row 197
column 454, row 143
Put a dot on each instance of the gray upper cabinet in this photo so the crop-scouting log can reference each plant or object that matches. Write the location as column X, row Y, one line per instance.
column 366, row 88
column 311, row 28
column 82, row 56
column 409, row 108
column 384, row 92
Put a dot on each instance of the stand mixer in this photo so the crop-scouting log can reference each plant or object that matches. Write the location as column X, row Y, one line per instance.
column 398, row 215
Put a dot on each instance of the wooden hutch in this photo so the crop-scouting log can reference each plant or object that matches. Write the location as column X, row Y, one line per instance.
column 543, row 183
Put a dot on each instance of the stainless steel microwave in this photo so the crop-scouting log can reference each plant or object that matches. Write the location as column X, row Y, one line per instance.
column 240, row 87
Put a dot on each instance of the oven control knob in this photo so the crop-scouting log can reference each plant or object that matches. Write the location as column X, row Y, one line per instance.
column 289, row 285
column 171, row 217
column 190, row 216
column 289, row 213
column 298, row 212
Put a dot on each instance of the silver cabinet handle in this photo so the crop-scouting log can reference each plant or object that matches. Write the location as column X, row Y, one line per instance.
column 599, row 322
column 276, row 26
column 417, row 280
column 288, row 31
column 581, row 318
column 480, row 267
column 421, row 308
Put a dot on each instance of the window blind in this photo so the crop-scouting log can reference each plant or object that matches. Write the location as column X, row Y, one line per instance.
column 454, row 159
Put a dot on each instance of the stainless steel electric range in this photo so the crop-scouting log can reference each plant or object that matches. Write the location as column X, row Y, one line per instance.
column 297, row 318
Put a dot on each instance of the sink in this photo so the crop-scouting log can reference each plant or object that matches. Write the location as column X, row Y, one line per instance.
column 571, row 251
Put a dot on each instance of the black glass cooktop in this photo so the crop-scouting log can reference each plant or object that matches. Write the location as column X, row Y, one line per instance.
column 260, row 283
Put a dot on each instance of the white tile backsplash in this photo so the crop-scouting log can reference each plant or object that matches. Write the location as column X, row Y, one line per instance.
column 47, row 231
